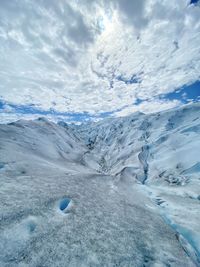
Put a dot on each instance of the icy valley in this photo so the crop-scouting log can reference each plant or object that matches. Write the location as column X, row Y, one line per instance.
column 118, row 192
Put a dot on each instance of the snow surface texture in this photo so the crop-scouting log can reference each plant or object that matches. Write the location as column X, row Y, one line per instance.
column 120, row 192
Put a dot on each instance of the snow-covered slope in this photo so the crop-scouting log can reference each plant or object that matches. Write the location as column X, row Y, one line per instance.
column 162, row 151
column 45, row 143
column 132, row 185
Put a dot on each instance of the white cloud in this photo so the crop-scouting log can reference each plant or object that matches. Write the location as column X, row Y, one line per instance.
column 76, row 56
column 148, row 107
column 132, row 12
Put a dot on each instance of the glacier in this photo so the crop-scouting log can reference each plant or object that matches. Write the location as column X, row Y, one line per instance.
column 118, row 192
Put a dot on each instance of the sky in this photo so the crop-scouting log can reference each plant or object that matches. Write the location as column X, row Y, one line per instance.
column 80, row 60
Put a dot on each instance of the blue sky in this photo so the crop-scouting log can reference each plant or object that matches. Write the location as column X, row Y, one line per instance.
column 193, row 1
column 82, row 60
column 23, row 110
column 185, row 94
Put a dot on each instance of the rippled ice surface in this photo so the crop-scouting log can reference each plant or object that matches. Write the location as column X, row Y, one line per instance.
column 107, row 224
column 121, row 192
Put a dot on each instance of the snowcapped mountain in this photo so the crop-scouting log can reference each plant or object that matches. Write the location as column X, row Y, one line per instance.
column 119, row 192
